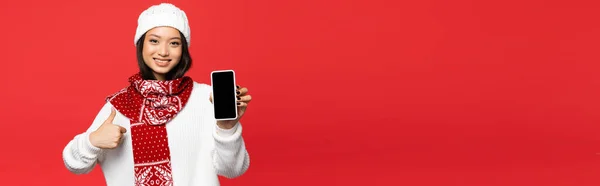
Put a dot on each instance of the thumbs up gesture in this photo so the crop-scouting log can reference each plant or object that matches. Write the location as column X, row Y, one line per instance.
column 108, row 135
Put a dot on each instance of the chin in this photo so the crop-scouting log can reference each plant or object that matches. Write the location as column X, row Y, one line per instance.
column 161, row 70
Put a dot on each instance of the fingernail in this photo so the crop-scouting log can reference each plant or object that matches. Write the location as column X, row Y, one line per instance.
column 239, row 98
column 239, row 103
column 237, row 86
column 238, row 92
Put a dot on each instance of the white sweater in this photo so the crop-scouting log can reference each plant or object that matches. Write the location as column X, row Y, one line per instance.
column 200, row 150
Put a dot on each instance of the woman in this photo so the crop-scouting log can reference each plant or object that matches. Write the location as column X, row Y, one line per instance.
column 160, row 129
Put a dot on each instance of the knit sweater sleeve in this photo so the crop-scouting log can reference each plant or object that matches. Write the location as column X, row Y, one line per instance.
column 230, row 156
column 79, row 155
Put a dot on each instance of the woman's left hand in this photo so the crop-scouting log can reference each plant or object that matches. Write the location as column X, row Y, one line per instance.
column 243, row 98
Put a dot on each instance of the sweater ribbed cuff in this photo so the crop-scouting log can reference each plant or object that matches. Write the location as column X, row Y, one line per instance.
column 227, row 134
column 88, row 148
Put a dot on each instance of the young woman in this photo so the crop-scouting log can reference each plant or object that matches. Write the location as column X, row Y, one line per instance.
column 160, row 129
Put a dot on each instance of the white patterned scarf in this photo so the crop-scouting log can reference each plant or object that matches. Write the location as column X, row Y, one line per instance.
column 150, row 104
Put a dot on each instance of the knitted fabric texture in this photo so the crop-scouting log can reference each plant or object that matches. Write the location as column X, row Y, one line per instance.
column 150, row 104
column 164, row 14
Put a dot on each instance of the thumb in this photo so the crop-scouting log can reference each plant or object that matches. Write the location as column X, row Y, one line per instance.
column 210, row 98
column 112, row 115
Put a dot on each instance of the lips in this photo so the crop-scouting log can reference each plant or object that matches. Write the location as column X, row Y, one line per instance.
column 161, row 62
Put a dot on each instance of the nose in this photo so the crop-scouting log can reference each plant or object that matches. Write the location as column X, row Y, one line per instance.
column 163, row 51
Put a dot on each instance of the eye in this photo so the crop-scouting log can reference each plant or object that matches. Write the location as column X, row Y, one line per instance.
column 153, row 41
column 175, row 43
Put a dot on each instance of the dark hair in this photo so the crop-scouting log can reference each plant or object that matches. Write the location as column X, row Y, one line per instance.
column 177, row 72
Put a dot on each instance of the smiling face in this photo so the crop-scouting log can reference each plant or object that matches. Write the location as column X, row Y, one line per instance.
column 162, row 50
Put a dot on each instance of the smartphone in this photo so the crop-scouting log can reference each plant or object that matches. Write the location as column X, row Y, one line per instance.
column 224, row 94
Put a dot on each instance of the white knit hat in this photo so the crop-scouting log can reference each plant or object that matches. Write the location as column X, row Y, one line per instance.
column 164, row 14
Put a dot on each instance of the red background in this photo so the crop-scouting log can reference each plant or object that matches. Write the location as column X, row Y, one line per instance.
column 370, row 92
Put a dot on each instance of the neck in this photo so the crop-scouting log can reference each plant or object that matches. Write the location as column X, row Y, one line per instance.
column 159, row 77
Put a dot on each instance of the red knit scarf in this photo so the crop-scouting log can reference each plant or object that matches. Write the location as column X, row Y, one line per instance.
column 150, row 104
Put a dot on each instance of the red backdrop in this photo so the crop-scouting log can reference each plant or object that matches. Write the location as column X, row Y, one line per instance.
column 371, row 92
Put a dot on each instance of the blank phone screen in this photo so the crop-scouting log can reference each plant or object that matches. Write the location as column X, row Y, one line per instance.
column 224, row 95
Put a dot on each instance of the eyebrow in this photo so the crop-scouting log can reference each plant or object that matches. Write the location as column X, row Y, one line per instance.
column 159, row 36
